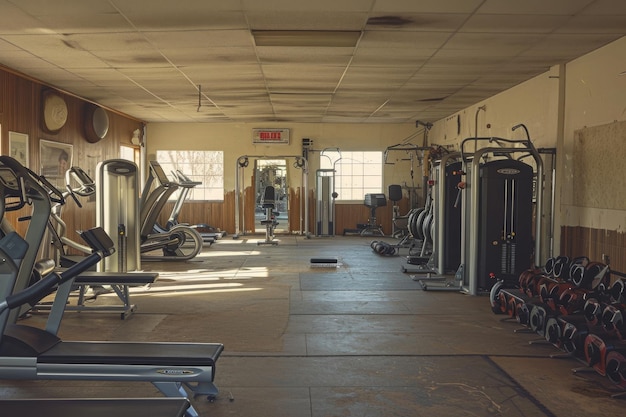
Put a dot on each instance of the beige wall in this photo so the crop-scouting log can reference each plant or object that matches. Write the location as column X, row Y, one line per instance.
column 533, row 103
column 583, row 93
column 595, row 95
column 235, row 139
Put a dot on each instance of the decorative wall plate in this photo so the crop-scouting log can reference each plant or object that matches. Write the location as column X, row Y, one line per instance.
column 96, row 121
column 54, row 111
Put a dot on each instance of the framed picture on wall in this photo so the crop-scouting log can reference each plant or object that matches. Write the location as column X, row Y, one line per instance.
column 55, row 159
column 18, row 147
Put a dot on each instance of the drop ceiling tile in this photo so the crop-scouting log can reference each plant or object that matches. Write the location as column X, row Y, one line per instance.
column 301, row 6
column 278, row 98
column 513, row 23
column 77, row 7
column 121, row 59
column 187, row 19
column 563, row 47
column 199, row 38
column 164, row 74
column 299, row 55
column 595, row 24
column 21, row 60
column 606, row 8
column 86, row 23
column 213, row 56
column 494, row 43
column 18, row 21
column 101, row 77
column 403, row 39
column 170, row 8
column 222, row 72
column 552, row 7
column 428, row 22
column 427, row 6
column 122, row 41
column 269, row 19
column 435, row 74
column 391, row 56
column 299, row 86
column 302, row 72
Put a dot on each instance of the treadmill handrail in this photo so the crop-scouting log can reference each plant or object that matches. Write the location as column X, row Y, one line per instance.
column 43, row 287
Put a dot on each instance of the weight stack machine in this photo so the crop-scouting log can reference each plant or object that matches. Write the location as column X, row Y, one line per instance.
column 325, row 202
column 117, row 212
column 505, row 238
column 499, row 206
column 450, row 236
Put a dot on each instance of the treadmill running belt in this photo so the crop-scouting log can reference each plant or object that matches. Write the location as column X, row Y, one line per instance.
column 131, row 353
column 117, row 407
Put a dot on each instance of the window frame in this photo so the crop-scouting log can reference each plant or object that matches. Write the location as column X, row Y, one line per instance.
column 335, row 162
column 187, row 169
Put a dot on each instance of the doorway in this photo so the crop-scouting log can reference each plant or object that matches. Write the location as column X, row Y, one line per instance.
column 271, row 172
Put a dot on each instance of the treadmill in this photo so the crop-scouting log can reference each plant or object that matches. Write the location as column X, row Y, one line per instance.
column 13, row 249
column 32, row 353
column 92, row 407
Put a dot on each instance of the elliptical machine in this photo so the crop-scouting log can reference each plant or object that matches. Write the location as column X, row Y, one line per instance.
column 209, row 234
column 179, row 243
column 58, row 228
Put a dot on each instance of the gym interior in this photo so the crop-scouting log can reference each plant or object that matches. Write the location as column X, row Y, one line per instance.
column 437, row 230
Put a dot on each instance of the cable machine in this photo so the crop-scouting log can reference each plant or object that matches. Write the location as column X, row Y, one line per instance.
column 497, row 221
column 445, row 227
column 240, row 166
column 117, row 212
column 414, row 152
column 325, row 202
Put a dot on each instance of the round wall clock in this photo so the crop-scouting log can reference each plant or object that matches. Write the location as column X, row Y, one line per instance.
column 54, row 112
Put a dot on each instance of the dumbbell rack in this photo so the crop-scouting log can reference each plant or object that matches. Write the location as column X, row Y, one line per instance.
column 577, row 306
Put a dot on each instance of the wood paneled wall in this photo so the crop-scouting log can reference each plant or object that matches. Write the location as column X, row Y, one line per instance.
column 593, row 243
column 21, row 111
column 222, row 215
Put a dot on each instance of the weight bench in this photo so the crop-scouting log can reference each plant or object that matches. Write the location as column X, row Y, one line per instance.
column 118, row 281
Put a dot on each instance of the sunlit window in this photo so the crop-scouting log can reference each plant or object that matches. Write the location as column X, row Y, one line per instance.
column 356, row 173
column 206, row 167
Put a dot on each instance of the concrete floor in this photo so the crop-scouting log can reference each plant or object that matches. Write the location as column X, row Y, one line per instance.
column 361, row 339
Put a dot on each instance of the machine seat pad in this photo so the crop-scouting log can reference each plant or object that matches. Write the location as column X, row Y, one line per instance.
column 134, row 353
column 116, row 278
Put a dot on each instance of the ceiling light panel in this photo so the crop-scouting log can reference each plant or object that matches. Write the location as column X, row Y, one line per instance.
column 306, row 38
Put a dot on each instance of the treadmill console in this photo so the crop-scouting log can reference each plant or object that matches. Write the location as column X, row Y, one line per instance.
column 158, row 172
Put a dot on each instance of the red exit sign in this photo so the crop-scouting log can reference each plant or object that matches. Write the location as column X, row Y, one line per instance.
column 270, row 136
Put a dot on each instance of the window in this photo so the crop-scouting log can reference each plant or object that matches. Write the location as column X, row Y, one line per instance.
column 129, row 153
column 206, row 167
column 356, row 173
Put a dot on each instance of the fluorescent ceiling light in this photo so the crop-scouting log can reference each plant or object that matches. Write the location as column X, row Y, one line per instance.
column 331, row 38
